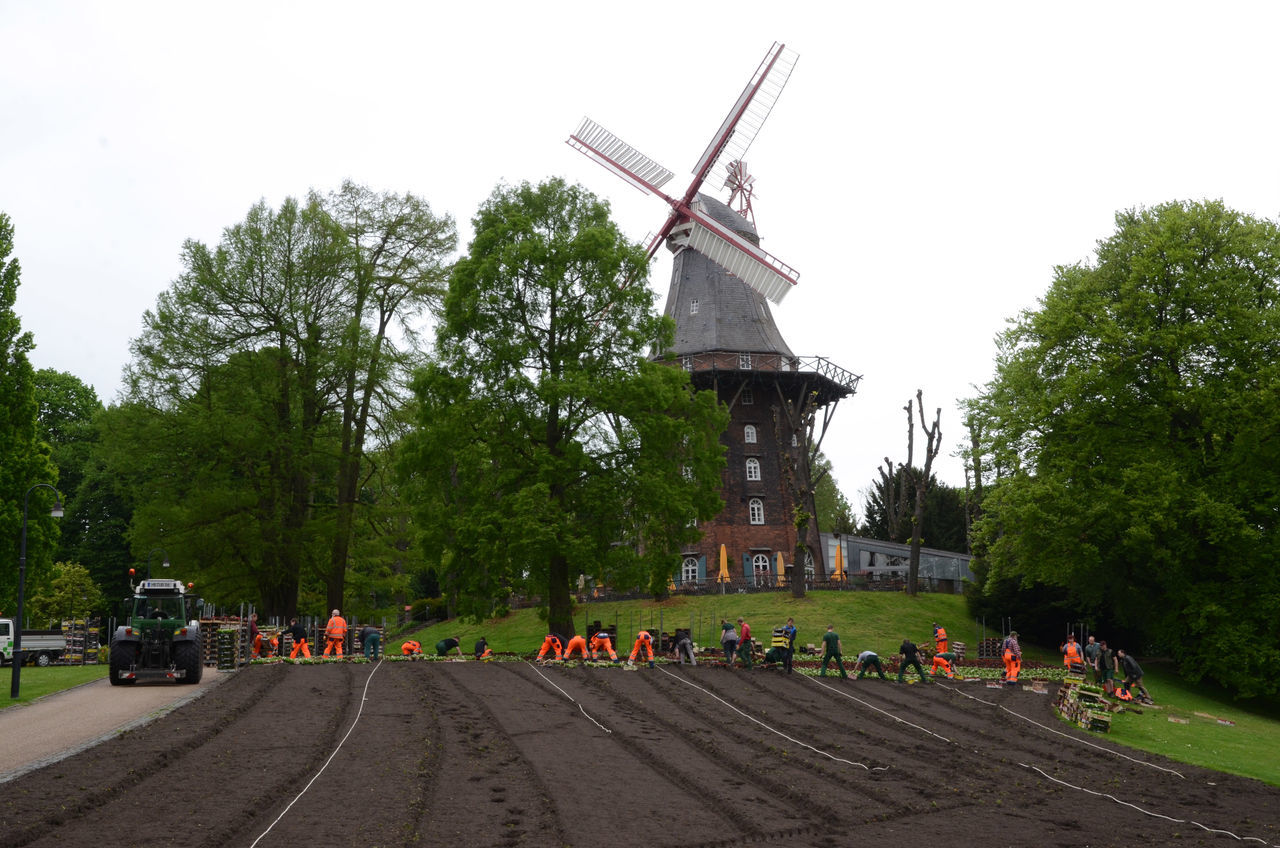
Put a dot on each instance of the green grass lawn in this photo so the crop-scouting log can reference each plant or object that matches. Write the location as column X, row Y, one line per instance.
column 878, row 621
column 37, row 682
column 1248, row 746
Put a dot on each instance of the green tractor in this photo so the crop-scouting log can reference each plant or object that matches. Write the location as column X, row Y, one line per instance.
column 161, row 639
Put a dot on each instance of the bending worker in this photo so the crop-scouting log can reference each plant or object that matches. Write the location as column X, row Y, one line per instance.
column 868, row 660
column 335, row 633
column 552, row 644
column 411, row 648
column 942, row 664
column 576, row 643
column 602, row 642
column 940, row 642
column 644, row 642
column 444, row 646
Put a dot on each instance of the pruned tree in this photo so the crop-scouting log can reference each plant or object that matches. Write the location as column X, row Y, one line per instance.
column 906, row 487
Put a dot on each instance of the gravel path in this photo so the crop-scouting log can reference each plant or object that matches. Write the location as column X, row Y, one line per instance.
column 64, row 723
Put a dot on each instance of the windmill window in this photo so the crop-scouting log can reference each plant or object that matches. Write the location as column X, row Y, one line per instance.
column 687, row 362
column 753, row 469
column 755, row 509
column 693, row 307
column 744, row 361
column 749, row 434
column 747, row 397
column 689, row 570
column 760, row 568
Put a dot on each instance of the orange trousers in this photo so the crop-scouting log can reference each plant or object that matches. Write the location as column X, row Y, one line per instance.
column 644, row 645
column 330, row 643
column 550, row 645
column 577, row 643
column 1012, row 665
column 602, row 643
column 300, row 645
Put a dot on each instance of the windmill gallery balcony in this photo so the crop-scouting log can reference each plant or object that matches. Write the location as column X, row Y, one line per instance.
column 832, row 383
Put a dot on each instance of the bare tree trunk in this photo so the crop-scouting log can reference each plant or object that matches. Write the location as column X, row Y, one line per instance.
column 933, row 445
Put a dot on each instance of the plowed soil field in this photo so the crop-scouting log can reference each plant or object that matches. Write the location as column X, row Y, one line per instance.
column 509, row 754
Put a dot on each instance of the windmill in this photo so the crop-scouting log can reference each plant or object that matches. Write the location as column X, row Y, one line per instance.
column 780, row 404
column 722, row 163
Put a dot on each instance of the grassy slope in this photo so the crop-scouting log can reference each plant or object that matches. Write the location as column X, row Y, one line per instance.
column 878, row 621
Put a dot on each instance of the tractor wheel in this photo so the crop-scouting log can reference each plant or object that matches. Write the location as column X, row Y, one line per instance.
column 122, row 656
column 186, row 656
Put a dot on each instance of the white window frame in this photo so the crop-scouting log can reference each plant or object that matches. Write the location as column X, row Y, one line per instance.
column 753, row 468
column 693, row 307
column 744, row 361
column 747, row 397
column 689, row 570
column 761, row 569
column 749, row 434
column 755, row 511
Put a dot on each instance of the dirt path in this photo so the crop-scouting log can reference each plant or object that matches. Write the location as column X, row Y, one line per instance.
column 508, row 754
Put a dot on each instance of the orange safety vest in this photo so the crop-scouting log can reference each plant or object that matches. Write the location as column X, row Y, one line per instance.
column 336, row 628
column 1071, row 653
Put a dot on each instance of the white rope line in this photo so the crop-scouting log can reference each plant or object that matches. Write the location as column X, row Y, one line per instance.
column 567, row 695
column 1067, row 735
column 770, row 729
column 877, row 709
column 1145, row 812
column 364, row 696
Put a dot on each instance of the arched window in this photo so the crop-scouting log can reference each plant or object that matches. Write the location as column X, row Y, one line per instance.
column 689, row 570
column 749, row 434
column 755, row 508
column 753, row 468
column 808, row 564
column 760, row 569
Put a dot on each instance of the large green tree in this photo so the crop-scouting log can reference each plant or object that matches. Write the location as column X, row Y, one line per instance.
column 24, row 456
column 274, row 359
column 889, row 504
column 548, row 447
column 67, row 406
column 1133, row 415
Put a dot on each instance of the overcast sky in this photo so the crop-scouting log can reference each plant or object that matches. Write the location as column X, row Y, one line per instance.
column 925, row 169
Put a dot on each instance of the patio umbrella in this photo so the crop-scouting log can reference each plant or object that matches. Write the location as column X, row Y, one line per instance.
column 782, row 570
column 839, row 572
column 723, row 577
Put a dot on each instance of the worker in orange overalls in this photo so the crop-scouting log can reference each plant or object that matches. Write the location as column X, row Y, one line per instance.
column 602, row 642
column 942, row 664
column 299, row 635
column 940, row 642
column 576, row 643
column 644, row 642
column 1012, row 657
column 552, row 644
column 410, row 648
column 1072, row 657
column 335, row 633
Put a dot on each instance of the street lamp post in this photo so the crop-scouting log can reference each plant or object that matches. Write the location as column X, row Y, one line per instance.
column 164, row 563
column 56, row 512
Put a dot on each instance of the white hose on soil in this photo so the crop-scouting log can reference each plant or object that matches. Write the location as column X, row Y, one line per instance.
column 364, row 696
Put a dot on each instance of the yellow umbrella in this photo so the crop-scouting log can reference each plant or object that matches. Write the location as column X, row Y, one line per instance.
column 839, row 572
column 723, row 577
column 782, row 570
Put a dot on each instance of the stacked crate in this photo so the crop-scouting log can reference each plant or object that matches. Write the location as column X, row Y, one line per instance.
column 81, row 637
column 1084, row 706
column 227, row 645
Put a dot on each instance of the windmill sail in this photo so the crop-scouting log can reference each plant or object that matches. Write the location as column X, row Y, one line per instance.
column 745, row 118
column 607, row 149
column 758, row 269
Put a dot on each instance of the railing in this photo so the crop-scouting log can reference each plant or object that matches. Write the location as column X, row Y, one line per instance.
column 728, row 360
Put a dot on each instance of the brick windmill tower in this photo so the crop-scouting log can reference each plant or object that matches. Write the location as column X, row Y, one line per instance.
column 780, row 404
